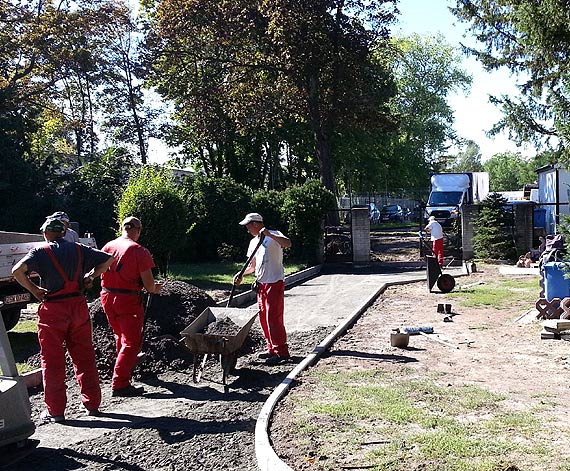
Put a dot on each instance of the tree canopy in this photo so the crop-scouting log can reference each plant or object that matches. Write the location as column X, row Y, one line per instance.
column 531, row 38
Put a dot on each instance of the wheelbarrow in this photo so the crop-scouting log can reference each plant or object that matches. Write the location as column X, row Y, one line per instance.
column 225, row 346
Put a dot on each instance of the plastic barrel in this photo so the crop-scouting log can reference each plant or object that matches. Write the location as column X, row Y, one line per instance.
column 555, row 285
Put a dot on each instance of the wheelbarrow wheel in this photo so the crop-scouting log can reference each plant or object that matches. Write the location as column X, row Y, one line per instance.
column 445, row 283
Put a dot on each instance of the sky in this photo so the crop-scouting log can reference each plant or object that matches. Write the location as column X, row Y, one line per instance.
column 474, row 115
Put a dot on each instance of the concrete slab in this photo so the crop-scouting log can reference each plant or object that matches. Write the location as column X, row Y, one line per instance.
column 512, row 270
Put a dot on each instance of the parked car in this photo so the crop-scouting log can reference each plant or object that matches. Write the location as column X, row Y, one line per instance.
column 392, row 213
column 374, row 213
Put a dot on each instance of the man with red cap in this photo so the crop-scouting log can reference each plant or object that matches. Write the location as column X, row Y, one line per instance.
column 121, row 296
column 65, row 268
column 268, row 267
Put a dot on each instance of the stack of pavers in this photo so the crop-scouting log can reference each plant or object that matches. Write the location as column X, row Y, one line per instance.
column 555, row 329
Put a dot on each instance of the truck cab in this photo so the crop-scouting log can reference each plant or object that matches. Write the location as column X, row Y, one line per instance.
column 450, row 191
column 13, row 247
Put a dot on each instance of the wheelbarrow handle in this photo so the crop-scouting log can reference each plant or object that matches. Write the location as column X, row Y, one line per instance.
column 244, row 268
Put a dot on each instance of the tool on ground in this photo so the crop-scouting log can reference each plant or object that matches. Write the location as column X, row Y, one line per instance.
column 141, row 356
column 417, row 330
column 244, row 268
column 438, row 340
column 15, row 409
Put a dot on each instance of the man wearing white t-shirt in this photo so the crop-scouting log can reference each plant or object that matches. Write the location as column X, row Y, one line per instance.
column 268, row 267
column 436, row 232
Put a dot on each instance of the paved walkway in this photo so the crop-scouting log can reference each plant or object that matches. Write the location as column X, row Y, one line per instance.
column 324, row 300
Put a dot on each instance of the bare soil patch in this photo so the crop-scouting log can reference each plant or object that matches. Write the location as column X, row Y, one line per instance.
column 500, row 350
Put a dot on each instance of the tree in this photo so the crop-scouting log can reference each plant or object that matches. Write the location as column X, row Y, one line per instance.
column 509, row 171
column 426, row 74
column 240, row 70
column 531, row 38
column 493, row 239
column 467, row 160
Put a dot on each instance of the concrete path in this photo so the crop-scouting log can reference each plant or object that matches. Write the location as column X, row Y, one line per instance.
column 323, row 300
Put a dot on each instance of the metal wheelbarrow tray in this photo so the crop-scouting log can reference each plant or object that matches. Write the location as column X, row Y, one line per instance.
column 226, row 346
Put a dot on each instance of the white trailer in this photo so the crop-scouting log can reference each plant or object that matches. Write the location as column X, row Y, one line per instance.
column 13, row 246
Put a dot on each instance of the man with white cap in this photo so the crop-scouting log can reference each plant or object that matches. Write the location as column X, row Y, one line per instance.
column 436, row 232
column 70, row 234
column 270, row 275
column 63, row 316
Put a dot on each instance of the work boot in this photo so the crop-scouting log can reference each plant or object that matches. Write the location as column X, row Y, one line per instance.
column 94, row 413
column 129, row 391
column 47, row 418
column 276, row 360
column 265, row 355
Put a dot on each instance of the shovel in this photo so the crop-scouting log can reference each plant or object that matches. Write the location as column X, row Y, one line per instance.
column 244, row 268
column 141, row 356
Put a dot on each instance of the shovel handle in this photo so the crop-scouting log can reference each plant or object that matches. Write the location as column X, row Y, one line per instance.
column 244, row 268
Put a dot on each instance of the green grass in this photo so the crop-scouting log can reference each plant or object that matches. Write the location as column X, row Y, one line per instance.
column 498, row 295
column 211, row 276
column 408, row 423
column 24, row 342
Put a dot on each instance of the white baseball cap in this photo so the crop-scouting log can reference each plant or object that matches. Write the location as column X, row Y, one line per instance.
column 251, row 217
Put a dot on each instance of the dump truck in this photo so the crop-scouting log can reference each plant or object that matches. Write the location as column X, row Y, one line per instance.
column 450, row 191
column 13, row 246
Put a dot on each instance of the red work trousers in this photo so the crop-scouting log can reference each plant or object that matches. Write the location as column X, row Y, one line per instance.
column 66, row 321
column 437, row 247
column 125, row 314
column 270, row 300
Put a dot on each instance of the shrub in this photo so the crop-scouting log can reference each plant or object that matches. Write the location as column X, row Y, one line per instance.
column 153, row 197
column 216, row 206
column 305, row 207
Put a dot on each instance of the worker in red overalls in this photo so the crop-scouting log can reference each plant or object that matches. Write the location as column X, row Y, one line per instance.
column 121, row 297
column 65, row 268
column 268, row 267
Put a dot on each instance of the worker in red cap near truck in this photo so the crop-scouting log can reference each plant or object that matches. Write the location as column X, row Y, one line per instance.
column 65, row 268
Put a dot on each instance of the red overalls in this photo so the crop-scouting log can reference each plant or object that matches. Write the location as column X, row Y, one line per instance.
column 270, row 301
column 63, row 318
column 122, row 302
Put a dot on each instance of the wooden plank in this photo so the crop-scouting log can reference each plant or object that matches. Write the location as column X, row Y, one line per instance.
column 556, row 325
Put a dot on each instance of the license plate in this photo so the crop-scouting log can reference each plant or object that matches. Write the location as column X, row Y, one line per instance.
column 17, row 298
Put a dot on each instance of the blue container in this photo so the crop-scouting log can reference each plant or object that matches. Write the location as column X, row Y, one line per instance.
column 540, row 217
column 555, row 285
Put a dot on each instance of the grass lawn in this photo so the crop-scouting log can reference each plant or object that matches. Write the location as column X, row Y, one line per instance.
column 216, row 276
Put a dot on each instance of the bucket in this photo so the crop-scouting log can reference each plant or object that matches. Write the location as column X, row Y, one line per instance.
column 399, row 339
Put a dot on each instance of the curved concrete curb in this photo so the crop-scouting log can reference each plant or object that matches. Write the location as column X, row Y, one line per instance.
column 267, row 459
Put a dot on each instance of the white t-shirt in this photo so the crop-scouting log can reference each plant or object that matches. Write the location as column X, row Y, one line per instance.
column 435, row 230
column 268, row 259
column 71, row 235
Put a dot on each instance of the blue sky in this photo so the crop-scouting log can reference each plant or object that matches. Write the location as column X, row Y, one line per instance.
column 474, row 114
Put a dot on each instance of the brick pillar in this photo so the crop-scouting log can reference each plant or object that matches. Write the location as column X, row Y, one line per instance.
column 468, row 214
column 360, row 235
column 523, row 226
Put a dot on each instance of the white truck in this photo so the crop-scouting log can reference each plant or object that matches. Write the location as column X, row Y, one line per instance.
column 450, row 191
column 13, row 246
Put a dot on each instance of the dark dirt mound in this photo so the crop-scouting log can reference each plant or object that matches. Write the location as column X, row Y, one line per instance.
column 167, row 315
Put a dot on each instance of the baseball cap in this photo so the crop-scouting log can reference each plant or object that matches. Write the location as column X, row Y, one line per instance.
column 251, row 217
column 59, row 215
column 53, row 225
column 431, row 218
column 131, row 222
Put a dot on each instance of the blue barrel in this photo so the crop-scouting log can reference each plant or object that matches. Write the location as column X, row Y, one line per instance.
column 540, row 217
column 555, row 285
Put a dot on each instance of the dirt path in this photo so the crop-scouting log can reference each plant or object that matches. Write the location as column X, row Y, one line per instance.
column 500, row 350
